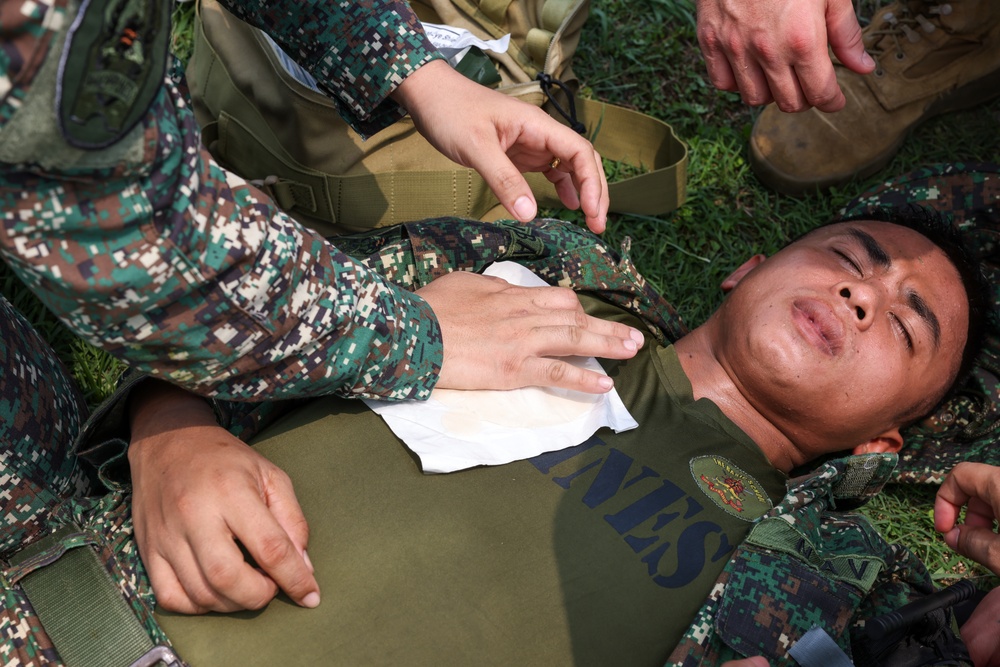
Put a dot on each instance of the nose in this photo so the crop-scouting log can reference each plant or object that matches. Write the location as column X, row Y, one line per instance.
column 861, row 299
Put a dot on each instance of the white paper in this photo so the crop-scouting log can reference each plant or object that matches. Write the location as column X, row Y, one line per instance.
column 454, row 429
column 292, row 68
column 453, row 42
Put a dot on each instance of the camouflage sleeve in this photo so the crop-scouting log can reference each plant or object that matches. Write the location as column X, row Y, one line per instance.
column 104, row 437
column 561, row 253
column 151, row 250
column 358, row 51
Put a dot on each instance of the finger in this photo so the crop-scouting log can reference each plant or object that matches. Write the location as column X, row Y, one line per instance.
column 544, row 372
column 219, row 577
column 561, row 307
column 785, row 88
column 549, row 340
column 543, row 299
column 165, row 562
column 167, row 589
column 946, row 514
column 802, row 76
column 279, row 495
column 565, row 187
column 720, row 73
column 844, row 35
column 595, row 206
column 588, row 184
column 978, row 514
column 752, row 83
column 599, row 222
column 981, row 545
column 966, row 481
column 506, row 182
column 819, row 87
column 275, row 554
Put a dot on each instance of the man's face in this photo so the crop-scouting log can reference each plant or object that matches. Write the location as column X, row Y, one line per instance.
column 846, row 334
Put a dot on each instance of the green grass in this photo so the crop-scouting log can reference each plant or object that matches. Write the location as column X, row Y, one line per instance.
column 644, row 54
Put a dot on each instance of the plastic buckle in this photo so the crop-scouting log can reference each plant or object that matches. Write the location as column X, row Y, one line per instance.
column 159, row 655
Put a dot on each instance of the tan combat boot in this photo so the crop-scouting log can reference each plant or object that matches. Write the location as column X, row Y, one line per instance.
column 930, row 58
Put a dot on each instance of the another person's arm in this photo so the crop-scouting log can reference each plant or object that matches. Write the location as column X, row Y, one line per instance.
column 777, row 50
column 981, row 633
column 375, row 61
column 198, row 494
column 975, row 487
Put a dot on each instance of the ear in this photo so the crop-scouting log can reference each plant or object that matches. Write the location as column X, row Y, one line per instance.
column 889, row 442
column 736, row 276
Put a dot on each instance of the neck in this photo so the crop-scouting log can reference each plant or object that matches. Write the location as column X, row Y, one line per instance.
column 712, row 380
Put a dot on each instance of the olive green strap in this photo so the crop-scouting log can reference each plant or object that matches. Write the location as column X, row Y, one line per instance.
column 239, row 135
column 80, row 606
column 637, row 140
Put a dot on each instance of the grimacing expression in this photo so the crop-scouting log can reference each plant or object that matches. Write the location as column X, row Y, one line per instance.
column 847, row 334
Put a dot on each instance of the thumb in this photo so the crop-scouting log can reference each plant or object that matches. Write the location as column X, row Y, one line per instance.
column 844, row 34
column 980, row 544
column 507, row 183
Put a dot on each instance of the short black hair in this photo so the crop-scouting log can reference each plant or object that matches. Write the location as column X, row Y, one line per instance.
column 942, row 232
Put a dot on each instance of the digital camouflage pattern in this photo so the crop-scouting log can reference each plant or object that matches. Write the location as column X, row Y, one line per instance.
column 802, row 563
column 410, row 255
column 231, row 298
column 41, row 411
column 963, row 427
column 810, row 561
column 562, row 254
column 357, row 51
column 807, row 563
column 152, row 251
column 106, row 527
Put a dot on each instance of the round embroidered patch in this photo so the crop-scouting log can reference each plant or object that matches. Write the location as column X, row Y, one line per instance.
column 736, row 492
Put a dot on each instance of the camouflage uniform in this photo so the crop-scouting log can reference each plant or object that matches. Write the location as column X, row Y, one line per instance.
column 149, row 249
column 409, row 255
column 809, row 562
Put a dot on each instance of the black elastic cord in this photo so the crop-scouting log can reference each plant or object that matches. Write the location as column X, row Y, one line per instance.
column 547, row 82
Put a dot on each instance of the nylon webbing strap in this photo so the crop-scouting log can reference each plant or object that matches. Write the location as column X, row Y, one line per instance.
column 817, row 649
column 80, row 606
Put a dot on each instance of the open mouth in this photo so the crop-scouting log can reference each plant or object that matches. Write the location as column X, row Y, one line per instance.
column 819, row 325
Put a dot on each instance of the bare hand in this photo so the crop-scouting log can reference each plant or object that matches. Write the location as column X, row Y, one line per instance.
column 980, row 632
column 755, row 661
column 501, row 137
column 777, row 50
column 500, row 336
column 975, row 486
column 196, row 492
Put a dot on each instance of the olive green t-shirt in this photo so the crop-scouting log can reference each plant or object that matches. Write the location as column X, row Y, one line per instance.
column 595, row 555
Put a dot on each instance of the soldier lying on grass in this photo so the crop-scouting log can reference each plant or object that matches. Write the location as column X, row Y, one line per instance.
column 605, row 550
column 613, row 551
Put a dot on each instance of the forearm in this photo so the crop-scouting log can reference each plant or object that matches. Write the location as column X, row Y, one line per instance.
column 191, row 275
column 358, row 52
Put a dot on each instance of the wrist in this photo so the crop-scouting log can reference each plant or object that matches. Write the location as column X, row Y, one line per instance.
column 160, row 407
column 425, row 85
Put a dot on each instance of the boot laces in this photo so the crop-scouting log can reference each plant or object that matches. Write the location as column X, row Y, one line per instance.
column 902, row 27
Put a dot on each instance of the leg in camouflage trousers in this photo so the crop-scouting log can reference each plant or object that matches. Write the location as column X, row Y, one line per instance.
column 41, row 412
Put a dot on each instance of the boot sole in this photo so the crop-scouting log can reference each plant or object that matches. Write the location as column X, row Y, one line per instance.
column 972, row 94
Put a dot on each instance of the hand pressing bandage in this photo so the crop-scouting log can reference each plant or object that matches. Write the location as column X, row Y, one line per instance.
column 455, row 429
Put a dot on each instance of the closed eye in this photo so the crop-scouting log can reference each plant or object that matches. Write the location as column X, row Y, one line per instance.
column 902, row 331
column 846, row 259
